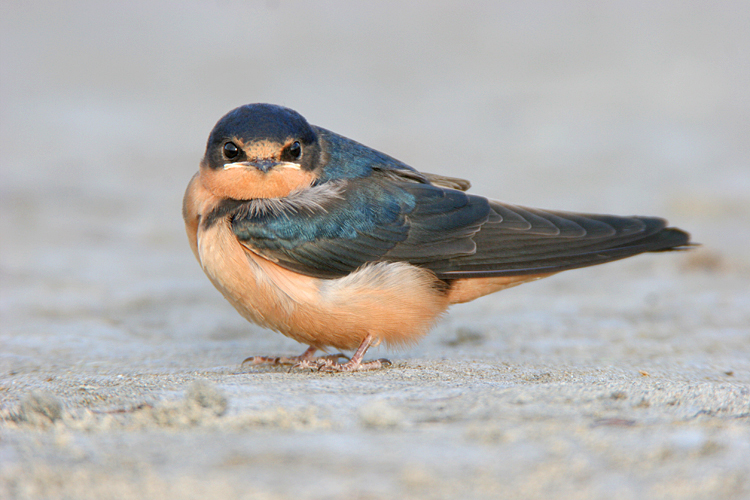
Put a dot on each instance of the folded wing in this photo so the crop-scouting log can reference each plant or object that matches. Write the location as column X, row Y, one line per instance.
column 456, row 235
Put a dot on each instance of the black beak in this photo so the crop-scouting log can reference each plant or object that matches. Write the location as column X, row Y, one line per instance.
column 262, row 165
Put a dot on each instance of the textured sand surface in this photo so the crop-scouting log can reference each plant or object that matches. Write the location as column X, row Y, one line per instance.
column 119, row 362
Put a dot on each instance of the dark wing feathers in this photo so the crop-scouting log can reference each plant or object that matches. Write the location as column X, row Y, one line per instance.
column 442, row 223
column 387, row 217
column 581, row 240
column 503, row 253
column 374, row 219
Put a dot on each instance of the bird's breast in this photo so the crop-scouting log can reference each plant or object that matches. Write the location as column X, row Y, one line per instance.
column 260, row 290
column 394, row 302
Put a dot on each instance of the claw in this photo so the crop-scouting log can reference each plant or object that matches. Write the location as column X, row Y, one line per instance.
column 258, row 360
column 303, row 365
column 281, row 360
column 355, row 364
column 327, row 363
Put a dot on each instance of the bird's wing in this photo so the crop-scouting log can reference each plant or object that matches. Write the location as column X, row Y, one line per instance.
column 340, row 226
column 518, row 240
column 390, row 217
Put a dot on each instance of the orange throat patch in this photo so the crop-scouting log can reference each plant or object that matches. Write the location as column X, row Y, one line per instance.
column 247, row 183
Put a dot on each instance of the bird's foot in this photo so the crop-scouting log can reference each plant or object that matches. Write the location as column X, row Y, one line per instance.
column 327, row 363
column 318, row 362
column 304, row 358
column 355, row 364
column 352, row 366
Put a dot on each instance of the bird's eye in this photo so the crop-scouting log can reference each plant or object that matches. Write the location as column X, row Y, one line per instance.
column 295, row 150
column 231, row 150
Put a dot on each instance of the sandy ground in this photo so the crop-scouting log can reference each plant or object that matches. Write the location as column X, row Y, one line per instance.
column 120, row 370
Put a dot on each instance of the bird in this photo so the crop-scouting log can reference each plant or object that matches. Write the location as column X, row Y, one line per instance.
column 337, row 245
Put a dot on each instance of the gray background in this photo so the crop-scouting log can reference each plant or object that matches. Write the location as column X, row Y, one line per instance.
column 623, row 381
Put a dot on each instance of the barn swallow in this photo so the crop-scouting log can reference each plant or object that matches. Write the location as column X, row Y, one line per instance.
column 335, row 244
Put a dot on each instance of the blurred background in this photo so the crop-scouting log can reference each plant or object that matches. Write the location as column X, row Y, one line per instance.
column 626, row 380
column 623, row 107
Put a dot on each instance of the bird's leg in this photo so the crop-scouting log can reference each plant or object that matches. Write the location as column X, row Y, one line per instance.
column 304, row 358
column 355, row 363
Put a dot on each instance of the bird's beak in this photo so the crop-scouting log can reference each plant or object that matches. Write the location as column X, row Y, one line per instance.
column 263, row 165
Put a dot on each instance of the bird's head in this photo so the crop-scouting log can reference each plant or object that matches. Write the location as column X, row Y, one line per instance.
column 260, row 151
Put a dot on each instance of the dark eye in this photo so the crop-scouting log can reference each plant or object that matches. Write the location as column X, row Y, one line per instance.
column 231, row 150
column 295, row 150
